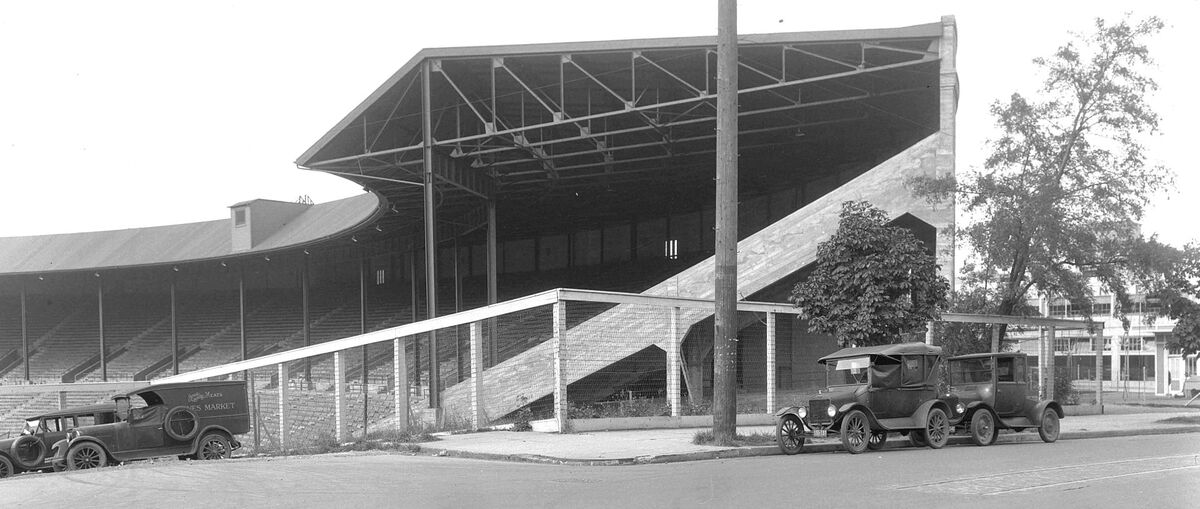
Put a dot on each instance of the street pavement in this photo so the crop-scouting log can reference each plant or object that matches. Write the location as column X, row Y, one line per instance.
column 671, row 445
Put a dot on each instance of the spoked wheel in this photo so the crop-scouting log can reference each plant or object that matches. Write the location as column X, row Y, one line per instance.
column 6, row 467
column 937, row 428
column 213, row 447
column 916, row 438
column 790, row 434
column 983, row 428
column 856, row 432
column 86, row 455
column 1049, row 429
column 878, row 438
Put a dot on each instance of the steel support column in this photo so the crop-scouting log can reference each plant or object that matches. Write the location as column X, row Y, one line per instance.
column 430, row 232
column 24, row 333
column 493, row 270
column 242, row 311
column 174, row 329
column 307, row 327
column 362, row 328
column 100, row 314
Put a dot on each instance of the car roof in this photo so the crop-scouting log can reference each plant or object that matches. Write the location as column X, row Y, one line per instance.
column 79, row 410
column 986, row 355
column 888, row 350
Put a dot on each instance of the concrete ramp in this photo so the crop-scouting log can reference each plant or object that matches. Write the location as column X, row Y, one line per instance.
column 765, row 257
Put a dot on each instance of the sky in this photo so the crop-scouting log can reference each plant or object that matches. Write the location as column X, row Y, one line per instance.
column 127, row 114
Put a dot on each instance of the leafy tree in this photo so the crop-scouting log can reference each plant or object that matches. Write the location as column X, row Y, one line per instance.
column 1059, row 201
column 1187, row 326
column 872, row 282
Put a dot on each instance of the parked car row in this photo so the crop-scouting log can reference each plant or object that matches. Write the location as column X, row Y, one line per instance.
column 195, row 420
column 911, row 389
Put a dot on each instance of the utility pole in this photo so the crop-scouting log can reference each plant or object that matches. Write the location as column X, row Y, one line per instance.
column 724, row 406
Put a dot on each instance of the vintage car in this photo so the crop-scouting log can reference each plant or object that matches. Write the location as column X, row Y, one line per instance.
column 197, row 420
column 872, row 391
column 995, row 390
column 30, row 451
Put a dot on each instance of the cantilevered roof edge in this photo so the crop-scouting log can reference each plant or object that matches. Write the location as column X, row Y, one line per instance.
column 915, row 31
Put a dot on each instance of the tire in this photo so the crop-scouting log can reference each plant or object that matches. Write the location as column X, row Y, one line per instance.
column 6, row 467
column 20, row 455
column 916, row 438
column 180, row 423
column 214, row 446
column 877, row 440
column 86, row 455
column 937, row 428
column 1049, row 428
column 856, row 432
column 789, row 434
column 983, row 428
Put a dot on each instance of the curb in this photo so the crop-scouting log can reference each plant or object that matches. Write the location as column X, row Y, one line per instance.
column 771, row 450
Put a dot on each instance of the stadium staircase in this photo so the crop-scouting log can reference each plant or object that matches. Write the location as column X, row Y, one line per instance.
column 765, row 257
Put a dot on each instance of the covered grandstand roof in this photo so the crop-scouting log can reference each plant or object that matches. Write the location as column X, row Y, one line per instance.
column 175, row 243
column 617, row 123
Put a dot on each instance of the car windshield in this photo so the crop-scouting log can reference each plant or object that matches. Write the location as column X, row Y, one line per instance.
column 971, row 371
column 851, row 371
column 31, row 427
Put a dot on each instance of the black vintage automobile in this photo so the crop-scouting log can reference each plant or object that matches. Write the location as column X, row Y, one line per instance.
column 30, row 451
column 190, row 420
column 873, row 391
column 995, row 389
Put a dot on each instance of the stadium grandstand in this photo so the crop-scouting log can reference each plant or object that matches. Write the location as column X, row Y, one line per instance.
column 493, row 173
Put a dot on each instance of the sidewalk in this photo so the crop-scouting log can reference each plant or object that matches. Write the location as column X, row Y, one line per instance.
column 672, row 445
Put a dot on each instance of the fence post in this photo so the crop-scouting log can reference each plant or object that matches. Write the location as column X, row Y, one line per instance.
column 770, row 362
column 284, row 425
column 339, row 396
column 673, row 363
column 477, row 418
column 400, row 374
column 560, row 385
column 62, row 400
column 1099, row 348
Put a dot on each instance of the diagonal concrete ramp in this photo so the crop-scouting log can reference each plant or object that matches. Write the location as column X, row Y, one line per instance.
column 765, row 257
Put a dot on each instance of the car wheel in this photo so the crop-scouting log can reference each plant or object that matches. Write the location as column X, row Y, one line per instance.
column 937, row 428
column 28, row 451
column 180, row 423
column 877, row 440
column 86, row 455
column 213, row 447
column 916, row 438
column 790, row 434
column 6, row 467
column 983, row 428
column 1049, row 429
column 856, row 432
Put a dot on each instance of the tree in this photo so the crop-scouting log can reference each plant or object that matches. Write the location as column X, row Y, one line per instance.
column 872, row 282
column 1058, row 203
column 1186, row 334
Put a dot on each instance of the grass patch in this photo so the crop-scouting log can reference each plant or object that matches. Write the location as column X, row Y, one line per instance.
column 1181, row 419
column 705, row 437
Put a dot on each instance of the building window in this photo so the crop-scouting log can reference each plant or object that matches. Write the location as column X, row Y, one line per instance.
column 380, row 276
column 671, row 249
column 239, row 217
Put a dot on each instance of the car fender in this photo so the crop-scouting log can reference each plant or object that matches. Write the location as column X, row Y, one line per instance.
column 16, row 467
column 976, row 406
column 787, row 410
column 921, row 415
column 62, row 448
column 854, row 405
column 213, row 428
column 1040, row 409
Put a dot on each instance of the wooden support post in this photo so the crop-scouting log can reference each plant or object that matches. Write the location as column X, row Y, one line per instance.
column 339, row 396
column 477, row 415
column 400, row 373
column 431, row 279
column 1050, row 376
column 560, row 384
column 725, row 361
column 771, row 362
column 673, row 344
column 285, row 424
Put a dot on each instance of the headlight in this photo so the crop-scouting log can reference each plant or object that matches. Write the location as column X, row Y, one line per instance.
column 802, row 412
column 832, row 410
column 959, row 409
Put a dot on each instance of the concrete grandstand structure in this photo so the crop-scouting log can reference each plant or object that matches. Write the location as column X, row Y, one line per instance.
column 497, row 172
